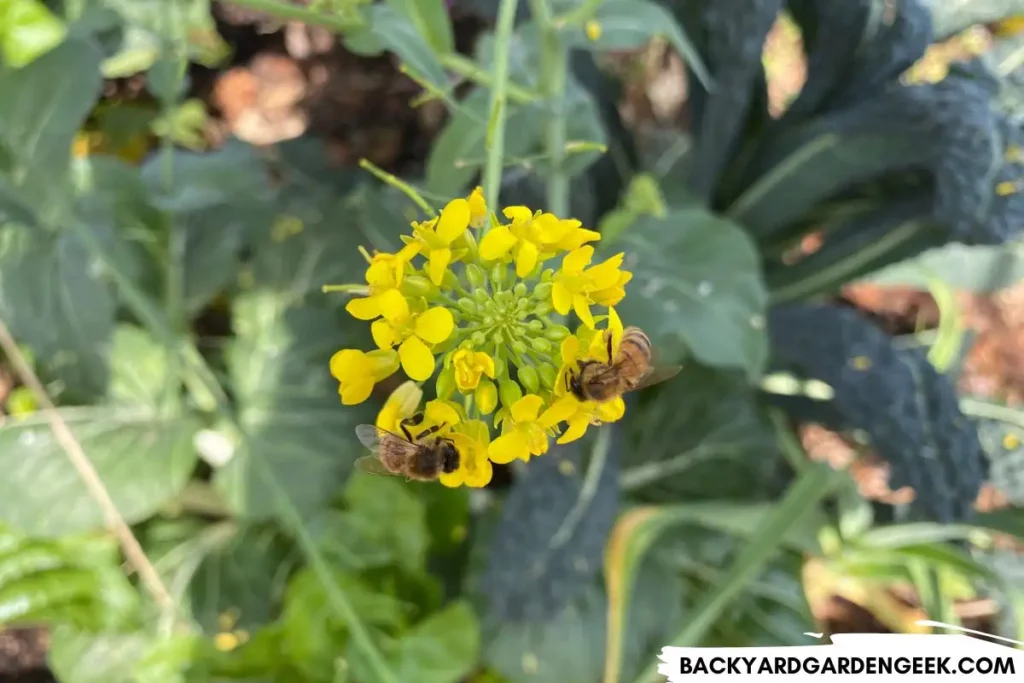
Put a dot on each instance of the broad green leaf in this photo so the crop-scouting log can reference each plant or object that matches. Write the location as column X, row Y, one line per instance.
column 28, row 31
column 981, row 269
column 443, row 648
column 431, row 20
column 1001, row 431
column 135, row 657
column 696, row 287
column 387, row 28
column 384, row 513
column 142, row 452
column 191, row 181
column 149, row 24
column 37, row 125
column 52, row 297
column 630, row 24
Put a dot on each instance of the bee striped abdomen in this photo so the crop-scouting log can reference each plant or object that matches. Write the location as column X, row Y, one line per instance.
column 634, row 338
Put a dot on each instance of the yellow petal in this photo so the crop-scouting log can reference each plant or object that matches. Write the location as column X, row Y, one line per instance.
column 518, row 214
column 402, row 403
column 577, row 428
column 388, row 416
column 570, row 349
column 508, row 447
column 610, row 411
column 575, row 261
column 477, row 207
column 479, row 474
column 345, row 363
column 615, row 327
column 438, row 262
column 526, row 259
column 527, row 408
column 355, row 393
column 453, row 479
column 441, row 412
column 561, row 298
column 486, row 397
column 366, row 308
column 382, row 363
column 486, row 363
column 496, row 243
column 434, row 325
column 582, row 308
column 560, row 411
column 417, row 361
column 383, row 334
column 602, row 276
column 393, row 305
column 381, row 272
column 454, row 220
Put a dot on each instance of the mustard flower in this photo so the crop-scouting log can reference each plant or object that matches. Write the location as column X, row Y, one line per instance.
column 486, row 311
column 357, row 372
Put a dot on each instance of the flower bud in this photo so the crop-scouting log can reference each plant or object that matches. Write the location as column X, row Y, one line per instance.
column 416, row 286
column 546, row 275
column 541, row 345
column 556, row 333
column 529, row 378
column 543, row 308
column 486, row 396
column 445, row 385
column 478, row 339
column 504, row 298
column 467, row 305
column 500, row 366
column 520, row 290
column 509, row 392
column 535, row 326
column 542, row 291
column 475, row 275
column 548, row 374
column 519, row 346
column 498, row 273
column 481, row 296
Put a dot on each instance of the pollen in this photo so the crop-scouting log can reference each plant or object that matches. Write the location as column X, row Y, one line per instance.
column 593, row 29
column 860, row 363
column 1011, row 441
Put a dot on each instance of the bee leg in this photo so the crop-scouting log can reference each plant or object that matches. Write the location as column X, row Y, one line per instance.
column 609, row 334
column 405, row 430
column 414, row 420
column 429, row 431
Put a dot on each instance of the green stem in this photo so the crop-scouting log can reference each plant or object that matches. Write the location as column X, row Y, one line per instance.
column 499, row 95
column 553, row 73
column 469, row 69
column 286, row 10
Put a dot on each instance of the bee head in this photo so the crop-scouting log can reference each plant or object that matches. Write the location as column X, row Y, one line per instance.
column 573, row 384
column 449, row 457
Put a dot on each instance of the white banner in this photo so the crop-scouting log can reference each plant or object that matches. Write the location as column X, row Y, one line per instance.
column 861, row 657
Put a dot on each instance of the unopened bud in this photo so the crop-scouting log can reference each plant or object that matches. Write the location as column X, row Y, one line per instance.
column 540, row 345
column 481, row 296
column 542, row 291
column 529, row 378
column 509, row 392
column 416, row 286
column 486, row 396
column 556, row 333
column 478, row 339
column 498, row 273
column 519, row 346
column 475, row 275
column 467, row 305
column 543, row 308
column 505, row 298
column 520, row 290
column 548, row 374
column 535, row 326
column 445, row 385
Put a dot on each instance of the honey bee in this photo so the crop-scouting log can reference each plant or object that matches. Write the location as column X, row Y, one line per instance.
column 409, row 456
column 631, row 369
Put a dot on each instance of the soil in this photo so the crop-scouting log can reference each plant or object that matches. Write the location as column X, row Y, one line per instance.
column 286, row 79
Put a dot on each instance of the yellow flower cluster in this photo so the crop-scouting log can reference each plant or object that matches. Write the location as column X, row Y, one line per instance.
column 483, row 300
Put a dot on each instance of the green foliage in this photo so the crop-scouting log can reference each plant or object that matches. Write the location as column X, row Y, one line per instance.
column 29, row 30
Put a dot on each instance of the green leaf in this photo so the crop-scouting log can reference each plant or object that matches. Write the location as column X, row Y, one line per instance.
column 630, row 24
column 431, row 20
column 696, row 286
column 387, row 28
column 442, row 648
column 384, row 513
column 142, row 452
column 981, row 269
column 81, row 657
column 52, row 298
column 29, row 31
column 190, row 181
column 37, row 125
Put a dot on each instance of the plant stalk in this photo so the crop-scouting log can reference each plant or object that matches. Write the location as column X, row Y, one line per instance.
column 554, row 67
column 499, row 96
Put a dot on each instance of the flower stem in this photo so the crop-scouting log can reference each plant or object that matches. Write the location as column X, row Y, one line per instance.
column 285, row 10
column 400, row 185
column 499, row 96
column 553, row 76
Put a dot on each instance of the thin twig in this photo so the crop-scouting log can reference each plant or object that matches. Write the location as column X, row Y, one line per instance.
column 134, row 553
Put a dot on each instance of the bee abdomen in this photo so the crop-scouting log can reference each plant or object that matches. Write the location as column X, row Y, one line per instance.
column 635, row 337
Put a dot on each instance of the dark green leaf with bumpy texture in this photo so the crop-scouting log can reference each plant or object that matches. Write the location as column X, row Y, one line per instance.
column 568, row 648
column 141, row 450
column 550, row 541
column 909, row 411
column 245, row 576
column 38, row 124
column 689, row 431
column 853, row 48
column 53, row 299
column 696, row 287
column 1003, row 441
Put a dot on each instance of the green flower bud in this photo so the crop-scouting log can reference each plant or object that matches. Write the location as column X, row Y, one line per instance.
column 529, row 378
column 445, row 385
column 475, row 275
column 504, row 298
column 519, row 346
column 556, row 333
column 542, row 291
column 486, row 396
column 478, row 339
column 467, row 305
column 522, row 305
column 541, row 345
column 481, row 296
column 500, row 366
column 546, row 275
column 450, row 280
column 416, row 285
column 498, row 273
column 548, row 374
column 520, row 290
column 535, row 326
column 509, row 392
column 543, row 308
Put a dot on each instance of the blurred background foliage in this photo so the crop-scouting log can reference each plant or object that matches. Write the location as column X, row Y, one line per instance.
column 821, row 203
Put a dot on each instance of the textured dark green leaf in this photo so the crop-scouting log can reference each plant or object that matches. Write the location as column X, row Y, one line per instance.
column 52, row 298
column 29, row 30
column 696, row 287
column 549, row 543
column 979, row 269
column 387, row 28
column 685, row 434
column 189, row 181
column 909, row 412
column 1003, row 441
column 142, row 452
column 568, row 648
column 37, row 125
column 443, row 648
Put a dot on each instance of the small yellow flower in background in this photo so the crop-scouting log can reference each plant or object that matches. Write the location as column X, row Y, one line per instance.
column 489, row 311
column 469, row 367
column 593, row 29
column 357, row 372
column 576, row 287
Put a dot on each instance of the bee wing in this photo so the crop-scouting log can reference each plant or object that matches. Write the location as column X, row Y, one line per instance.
column 370, row 464
column 371, row 436
column 656, row 375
